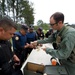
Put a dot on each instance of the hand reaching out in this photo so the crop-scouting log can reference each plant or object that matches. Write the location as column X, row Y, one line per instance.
column 31, row 46
column 34, row 44
column 44, row 48
column 26, row 46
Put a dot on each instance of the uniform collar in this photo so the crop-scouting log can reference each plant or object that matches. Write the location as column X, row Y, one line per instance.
column 61, row 31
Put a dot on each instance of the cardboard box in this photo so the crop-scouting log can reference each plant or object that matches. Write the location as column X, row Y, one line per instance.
column 33, row 69
column 37, row 69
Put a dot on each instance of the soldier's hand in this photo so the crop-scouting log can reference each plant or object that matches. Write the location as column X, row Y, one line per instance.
column 44, row 48
column 16, row 60
column 34, row 43
column 40, row 45
column 26, row 46
column 31, row 46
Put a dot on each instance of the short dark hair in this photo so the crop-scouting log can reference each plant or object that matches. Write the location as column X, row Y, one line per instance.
column 58, row 16
column 6, row 23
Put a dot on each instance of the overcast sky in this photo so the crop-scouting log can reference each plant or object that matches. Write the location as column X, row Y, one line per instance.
column 45, row 8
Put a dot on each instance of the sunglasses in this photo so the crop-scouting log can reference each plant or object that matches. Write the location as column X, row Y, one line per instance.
column 52, row 24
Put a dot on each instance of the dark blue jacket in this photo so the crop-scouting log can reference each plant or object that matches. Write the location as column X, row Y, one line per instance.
column 31, row 36
column 19, row 41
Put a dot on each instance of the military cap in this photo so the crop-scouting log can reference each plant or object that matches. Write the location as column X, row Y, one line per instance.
column 24, row 27
column 40, row 28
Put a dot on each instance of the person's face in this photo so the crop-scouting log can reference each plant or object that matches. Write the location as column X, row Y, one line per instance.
column 53, row 23
column 38, row 31
column 7, row 34
column 23, row 32
column 30, row 30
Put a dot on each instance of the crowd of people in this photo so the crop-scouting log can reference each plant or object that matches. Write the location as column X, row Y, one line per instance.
column 24, row 40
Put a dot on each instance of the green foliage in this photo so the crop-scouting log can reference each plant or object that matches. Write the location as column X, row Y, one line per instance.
column 28, row 12
column 3, row 7
column 21, row 9
column 44, row 26
column 40, row 23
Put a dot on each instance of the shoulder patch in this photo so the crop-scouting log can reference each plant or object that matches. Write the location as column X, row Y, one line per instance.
column 16, row 38
column 41, row 35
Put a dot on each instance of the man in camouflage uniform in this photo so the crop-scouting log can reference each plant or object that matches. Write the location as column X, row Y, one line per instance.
column 64, row 39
